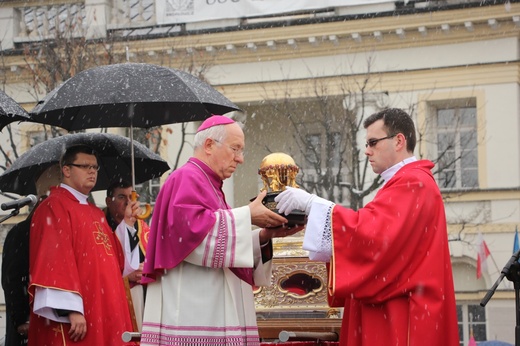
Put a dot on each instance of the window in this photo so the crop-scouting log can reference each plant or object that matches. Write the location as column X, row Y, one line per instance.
column 36, row 138
column 300, row 284
column 148, row 190
column 322, row 168
column 457, row 147
column 313, row 149
column 472, row 320
column 335, row 145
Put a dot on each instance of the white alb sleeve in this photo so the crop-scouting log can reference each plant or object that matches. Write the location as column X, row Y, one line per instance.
column 261, row 271
column 318, row 234
column 131, row 256
column 46, row 300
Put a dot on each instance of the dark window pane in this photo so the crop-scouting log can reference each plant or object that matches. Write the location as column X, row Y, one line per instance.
column 479, row 332
column 477, row 312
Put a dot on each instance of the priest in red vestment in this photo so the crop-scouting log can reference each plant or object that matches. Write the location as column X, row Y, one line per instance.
column 77, row 263
column 389, row 264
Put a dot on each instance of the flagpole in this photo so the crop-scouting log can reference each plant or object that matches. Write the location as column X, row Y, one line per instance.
column 496, row 266
column 494, row 262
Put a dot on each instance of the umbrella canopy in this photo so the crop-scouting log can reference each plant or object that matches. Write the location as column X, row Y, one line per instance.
column 129, row 94
column 10, row 111
column 114, row 159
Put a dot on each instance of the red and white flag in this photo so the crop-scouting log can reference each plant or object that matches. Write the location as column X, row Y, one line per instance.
column 482, row 255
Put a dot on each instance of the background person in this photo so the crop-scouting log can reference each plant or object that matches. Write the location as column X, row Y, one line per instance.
column 76, row 262
column 119, row 195
column 390, row 265
column 15, row 267
column 202, row 253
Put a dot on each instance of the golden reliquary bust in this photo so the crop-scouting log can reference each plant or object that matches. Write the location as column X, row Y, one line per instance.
column 278, row 170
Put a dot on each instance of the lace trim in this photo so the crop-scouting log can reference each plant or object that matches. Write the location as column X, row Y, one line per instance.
column 326, row 240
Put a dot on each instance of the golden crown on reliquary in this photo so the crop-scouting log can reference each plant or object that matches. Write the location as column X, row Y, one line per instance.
column 278, row 170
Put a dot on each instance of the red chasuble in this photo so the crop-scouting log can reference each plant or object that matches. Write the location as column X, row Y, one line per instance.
column 73, row 249
column 391, row 267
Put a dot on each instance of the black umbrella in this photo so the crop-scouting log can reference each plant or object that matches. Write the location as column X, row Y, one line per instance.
column 114, row 155
column 10, row 111
column 127, row 95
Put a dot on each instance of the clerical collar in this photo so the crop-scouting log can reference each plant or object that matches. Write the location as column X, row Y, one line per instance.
column 82, row 199
column 390, row 172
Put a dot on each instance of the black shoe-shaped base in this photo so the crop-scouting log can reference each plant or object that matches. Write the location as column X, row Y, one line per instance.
column 296, row 217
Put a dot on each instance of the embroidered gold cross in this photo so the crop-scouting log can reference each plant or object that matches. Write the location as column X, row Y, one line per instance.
column 102, row 239
column 58, row 329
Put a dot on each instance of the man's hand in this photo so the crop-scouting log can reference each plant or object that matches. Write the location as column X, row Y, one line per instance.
column 261, row 216
column 293, row 198
column 131, row 212
column 23, row 329
column 78, row 326
column 135, row 276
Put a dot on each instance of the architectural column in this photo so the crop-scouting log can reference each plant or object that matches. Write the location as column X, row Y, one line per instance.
column 9, row 26
column 97, row 17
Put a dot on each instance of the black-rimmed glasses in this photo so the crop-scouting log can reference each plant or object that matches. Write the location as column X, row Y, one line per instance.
column 85, row 167
column 372, row 142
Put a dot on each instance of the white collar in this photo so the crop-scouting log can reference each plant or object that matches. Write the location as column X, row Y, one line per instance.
column 82, row 199
column 390, row 172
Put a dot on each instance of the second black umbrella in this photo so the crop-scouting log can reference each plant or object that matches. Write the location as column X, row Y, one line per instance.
column 114, row 153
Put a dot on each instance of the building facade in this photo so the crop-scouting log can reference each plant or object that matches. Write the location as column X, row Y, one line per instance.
column 454, row 65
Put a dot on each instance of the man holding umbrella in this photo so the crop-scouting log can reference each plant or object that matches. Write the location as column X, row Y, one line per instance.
column 76, row 262
column 119, row 195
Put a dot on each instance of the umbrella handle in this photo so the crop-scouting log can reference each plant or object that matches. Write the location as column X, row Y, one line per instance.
column 148, row 208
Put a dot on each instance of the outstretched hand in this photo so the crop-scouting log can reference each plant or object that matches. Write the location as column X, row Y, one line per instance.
column 294, row 198
column 261, row 216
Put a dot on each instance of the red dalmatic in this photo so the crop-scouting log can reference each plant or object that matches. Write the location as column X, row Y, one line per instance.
column 391, row 267
column 73, row 249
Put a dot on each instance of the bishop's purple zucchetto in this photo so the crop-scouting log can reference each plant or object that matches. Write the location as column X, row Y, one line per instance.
column 215, row 120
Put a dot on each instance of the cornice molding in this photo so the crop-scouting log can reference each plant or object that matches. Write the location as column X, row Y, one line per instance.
column 36, row 3
column 395, row 81
column 320, row 39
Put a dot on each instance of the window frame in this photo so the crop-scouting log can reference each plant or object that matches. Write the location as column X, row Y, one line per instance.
column 461, row 133
column 466, row 322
